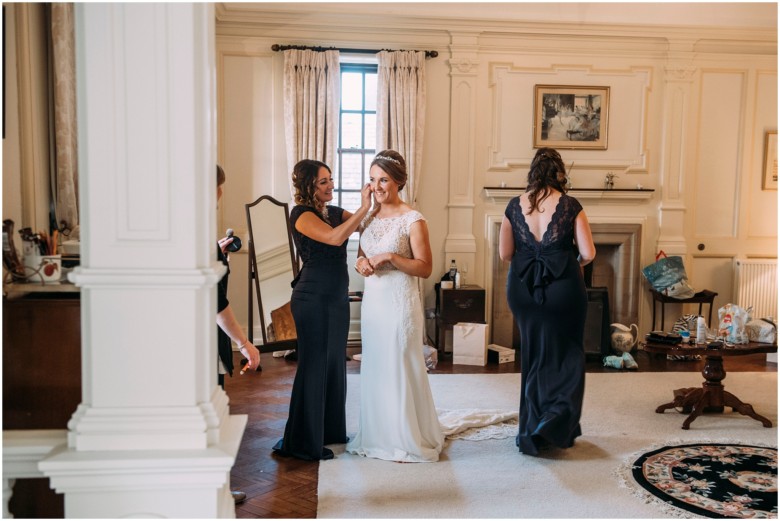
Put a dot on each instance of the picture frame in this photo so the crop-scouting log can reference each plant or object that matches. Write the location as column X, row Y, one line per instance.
column 570, row 116
column 769, row 177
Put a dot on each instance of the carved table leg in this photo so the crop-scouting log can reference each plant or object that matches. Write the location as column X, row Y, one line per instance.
column 698, row 408
column 744, row 408
column 683, row 398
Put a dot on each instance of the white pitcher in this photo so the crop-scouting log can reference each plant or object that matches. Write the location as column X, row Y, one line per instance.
column 624, row 338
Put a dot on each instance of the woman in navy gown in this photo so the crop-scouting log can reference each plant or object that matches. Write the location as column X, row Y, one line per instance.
column 320, row 308
column 546, row 236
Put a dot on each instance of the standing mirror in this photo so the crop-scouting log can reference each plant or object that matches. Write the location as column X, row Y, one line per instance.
column 272, row 267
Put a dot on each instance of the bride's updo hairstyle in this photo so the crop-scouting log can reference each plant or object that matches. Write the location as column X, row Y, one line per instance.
column 547, row 172
column 304, row 178
column 394, row 165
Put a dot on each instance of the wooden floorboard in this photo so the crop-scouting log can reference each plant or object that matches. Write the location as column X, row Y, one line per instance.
column 287, row 488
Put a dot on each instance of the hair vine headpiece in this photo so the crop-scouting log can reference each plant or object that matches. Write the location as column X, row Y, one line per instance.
column 397, row 162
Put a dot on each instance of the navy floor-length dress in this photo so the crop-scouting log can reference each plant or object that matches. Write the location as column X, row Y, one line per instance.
column 547, row 296
column 320, row 308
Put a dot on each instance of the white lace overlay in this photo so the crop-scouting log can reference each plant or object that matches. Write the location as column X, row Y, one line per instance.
column 392, row 235
column 477, row 424
column 398, row 418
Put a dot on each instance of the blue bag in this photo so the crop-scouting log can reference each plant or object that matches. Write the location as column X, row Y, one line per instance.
column 667, row 276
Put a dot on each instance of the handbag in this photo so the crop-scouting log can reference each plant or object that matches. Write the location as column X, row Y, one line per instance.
column 667, row 276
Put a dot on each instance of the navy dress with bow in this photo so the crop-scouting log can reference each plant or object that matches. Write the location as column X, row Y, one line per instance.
column 547, row 296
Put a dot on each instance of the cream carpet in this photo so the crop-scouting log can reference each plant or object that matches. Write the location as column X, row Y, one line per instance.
column 491, row 479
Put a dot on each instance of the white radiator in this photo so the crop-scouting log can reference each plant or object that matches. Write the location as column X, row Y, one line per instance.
column 755, row 284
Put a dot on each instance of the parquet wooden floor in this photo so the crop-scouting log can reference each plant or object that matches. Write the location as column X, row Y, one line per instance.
column 287, row 488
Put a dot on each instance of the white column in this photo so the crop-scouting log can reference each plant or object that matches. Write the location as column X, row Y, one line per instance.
column 679, row 75
column 460, row 243
column 152, row 436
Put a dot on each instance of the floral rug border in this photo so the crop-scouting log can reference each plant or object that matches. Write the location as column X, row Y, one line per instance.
column 625, row 478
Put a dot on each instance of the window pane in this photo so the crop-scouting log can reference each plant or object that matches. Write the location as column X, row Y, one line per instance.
column 367, row 161
column 352, row 91
column 350, row 201
column 351, row 131
column 350, row 172
column 371, row 91
column 370, row 131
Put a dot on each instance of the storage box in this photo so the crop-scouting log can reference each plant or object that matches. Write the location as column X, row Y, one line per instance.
column 500, row 355
column 469, row 343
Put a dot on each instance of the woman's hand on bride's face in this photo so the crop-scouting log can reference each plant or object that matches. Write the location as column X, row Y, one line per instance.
column 366, row 196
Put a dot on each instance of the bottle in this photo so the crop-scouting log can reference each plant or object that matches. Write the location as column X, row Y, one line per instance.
column 701, row 331
column 453, row 270
column 457, row 280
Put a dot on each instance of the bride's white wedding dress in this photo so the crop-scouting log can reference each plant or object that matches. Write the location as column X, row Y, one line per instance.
column 398, row 419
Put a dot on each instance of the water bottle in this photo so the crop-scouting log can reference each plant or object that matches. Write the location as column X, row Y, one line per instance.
column 701, row 331
column 453, row 270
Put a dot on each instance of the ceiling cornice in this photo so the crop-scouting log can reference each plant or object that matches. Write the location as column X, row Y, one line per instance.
column 239, row 19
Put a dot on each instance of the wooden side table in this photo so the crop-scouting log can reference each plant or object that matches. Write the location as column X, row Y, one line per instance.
column 711, row 396
column 466, row 304
column 703, row 297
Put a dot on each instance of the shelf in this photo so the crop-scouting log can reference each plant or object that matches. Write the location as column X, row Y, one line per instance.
column 502, row 195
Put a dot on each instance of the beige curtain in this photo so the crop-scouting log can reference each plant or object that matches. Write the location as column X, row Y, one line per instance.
column 65, row 173
column 400, row 112
column 311, row 105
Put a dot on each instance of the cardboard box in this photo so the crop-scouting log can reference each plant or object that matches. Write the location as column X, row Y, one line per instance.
column 469, row 343
column 500, row 355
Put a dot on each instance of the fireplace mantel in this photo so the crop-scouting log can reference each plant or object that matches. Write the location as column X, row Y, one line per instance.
column 502, row 195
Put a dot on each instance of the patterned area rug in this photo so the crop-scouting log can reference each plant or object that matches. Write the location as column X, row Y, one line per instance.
column 712, row 479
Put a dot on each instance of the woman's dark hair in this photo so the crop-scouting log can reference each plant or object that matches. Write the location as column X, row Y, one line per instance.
column 304, row 177
column 394, row 165
column 547, row 172
column 220, row 176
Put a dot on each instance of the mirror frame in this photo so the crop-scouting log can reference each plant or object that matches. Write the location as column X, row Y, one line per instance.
column 254, row 280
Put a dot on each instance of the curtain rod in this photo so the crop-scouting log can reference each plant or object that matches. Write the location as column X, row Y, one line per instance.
column 276, row 47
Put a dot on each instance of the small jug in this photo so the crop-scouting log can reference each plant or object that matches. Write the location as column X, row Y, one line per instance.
column 624, row 338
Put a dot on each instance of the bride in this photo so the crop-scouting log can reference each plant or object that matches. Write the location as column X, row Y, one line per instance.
column 398, row 420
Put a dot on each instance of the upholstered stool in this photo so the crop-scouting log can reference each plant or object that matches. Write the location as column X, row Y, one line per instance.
column 703, row 297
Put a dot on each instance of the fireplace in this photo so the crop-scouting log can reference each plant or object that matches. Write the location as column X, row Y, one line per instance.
column 616, row 267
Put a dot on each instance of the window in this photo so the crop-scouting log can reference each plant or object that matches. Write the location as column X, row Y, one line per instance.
column 357, row 132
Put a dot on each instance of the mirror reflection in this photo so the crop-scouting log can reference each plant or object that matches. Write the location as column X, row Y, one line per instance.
column 272, row 267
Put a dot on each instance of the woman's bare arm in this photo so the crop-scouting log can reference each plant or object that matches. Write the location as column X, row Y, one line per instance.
column 421, row 264
column 584, row 239
column 506, row 241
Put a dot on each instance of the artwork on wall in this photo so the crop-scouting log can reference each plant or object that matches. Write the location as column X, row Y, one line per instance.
column 770, row 161
column 567, row 116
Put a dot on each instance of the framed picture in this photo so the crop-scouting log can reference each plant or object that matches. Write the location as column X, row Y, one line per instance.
column 770, row 161
column 568, row 116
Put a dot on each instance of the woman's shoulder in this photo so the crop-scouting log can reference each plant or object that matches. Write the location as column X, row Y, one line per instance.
column 299, row 209
column 572, row 202
column 412, row 216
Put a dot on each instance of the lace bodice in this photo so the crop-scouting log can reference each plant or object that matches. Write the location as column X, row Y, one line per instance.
column 537, row 263
column 388, row 235
column 560, row 231
column 310, row 249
